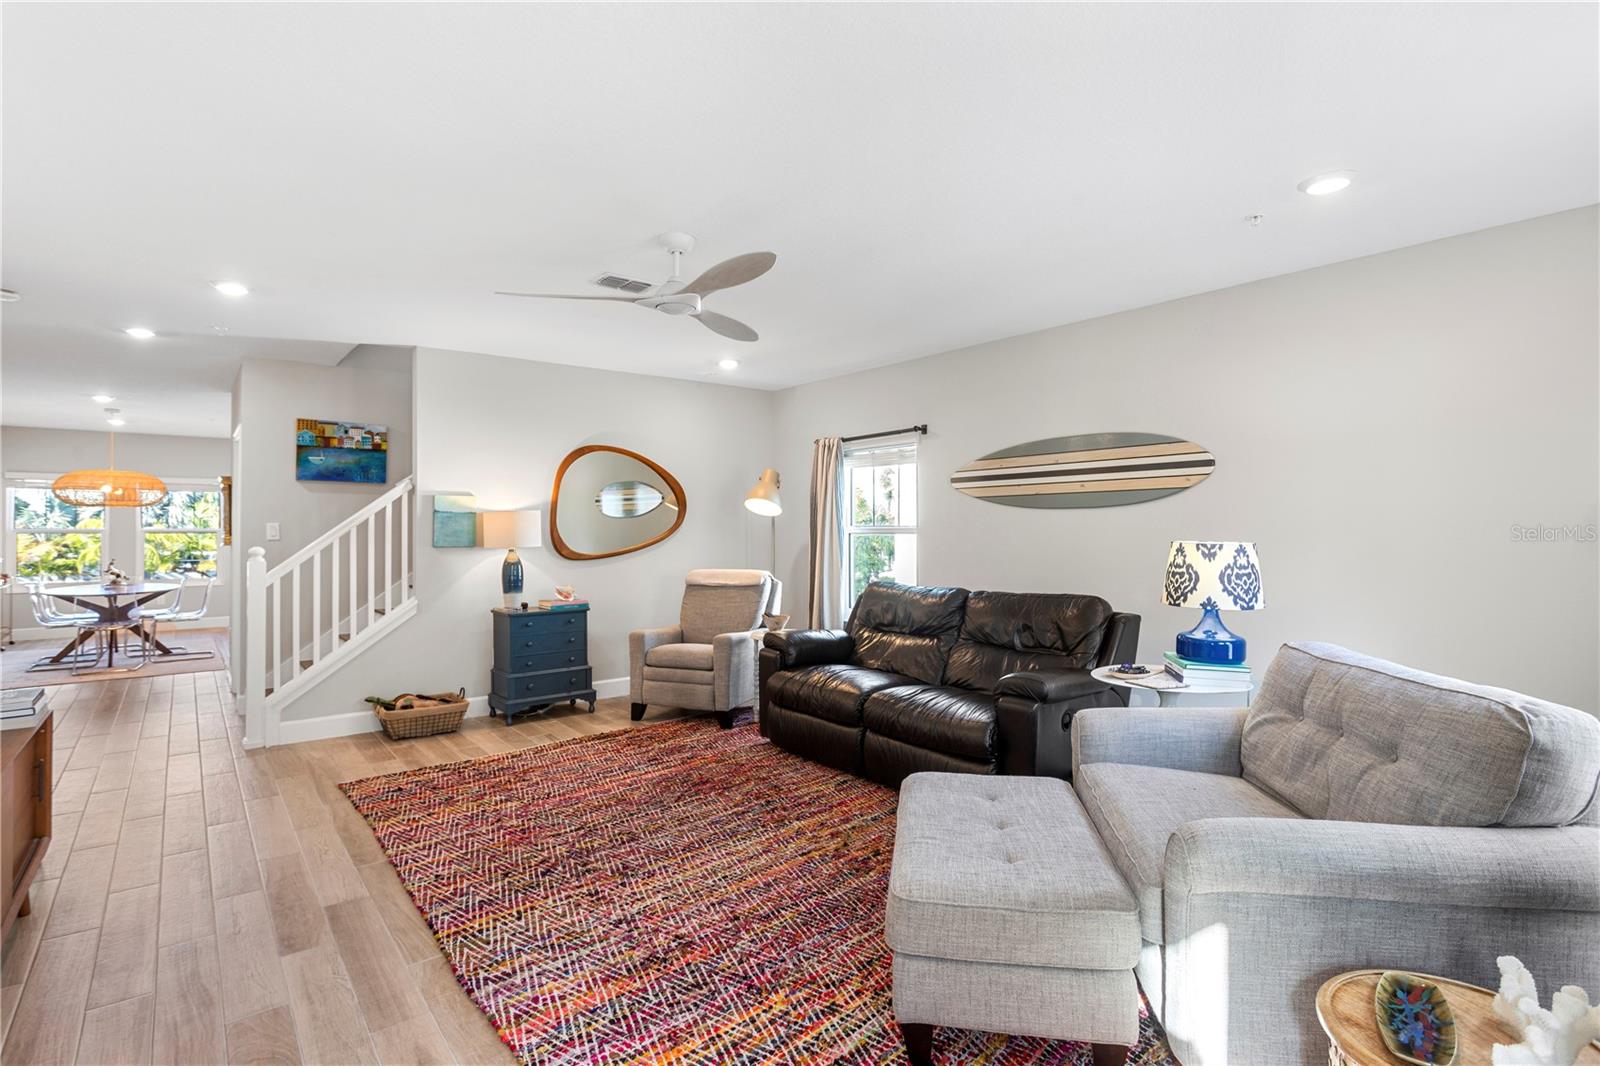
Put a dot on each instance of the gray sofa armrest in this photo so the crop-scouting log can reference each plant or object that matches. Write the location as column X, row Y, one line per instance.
column 809, row 647
column 733, row 657
column 1050, row 686
column 1252, row 907
column 640, row 641
column 1516, row 869
column 1202, row 739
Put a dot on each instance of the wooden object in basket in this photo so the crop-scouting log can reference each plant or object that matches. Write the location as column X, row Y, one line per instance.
column 1345, row 1009
column 421, row 715
column 25, row 780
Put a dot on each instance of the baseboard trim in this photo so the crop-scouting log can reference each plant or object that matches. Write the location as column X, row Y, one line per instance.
column 329, row 726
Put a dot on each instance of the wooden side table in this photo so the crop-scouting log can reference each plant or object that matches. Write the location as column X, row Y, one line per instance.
column 25, row 782
column 1346, row 1010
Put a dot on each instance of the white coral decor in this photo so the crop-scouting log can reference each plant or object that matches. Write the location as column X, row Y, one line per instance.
column 1549, row 1037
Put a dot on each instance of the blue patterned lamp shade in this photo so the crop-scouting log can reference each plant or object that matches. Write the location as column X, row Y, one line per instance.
column 1213, row 575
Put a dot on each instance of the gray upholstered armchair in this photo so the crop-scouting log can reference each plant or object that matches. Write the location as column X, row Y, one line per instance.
column 707, row 662
column 1359, row 814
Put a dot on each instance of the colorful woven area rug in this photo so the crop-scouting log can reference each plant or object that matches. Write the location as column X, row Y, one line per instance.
column 674, row 894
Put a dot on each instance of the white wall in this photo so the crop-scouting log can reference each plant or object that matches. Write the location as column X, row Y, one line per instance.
column 373, row 385
column 498, row 428
column 55, row 451
column 271, row 395
column 1380, row 428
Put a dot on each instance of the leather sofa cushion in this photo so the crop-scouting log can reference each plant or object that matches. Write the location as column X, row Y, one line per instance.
column 951, row 720
column 833, row 692
column 1137, row 808
column 907, row 629
column 680, row 656
column 1343, row 736
column 1008, row 632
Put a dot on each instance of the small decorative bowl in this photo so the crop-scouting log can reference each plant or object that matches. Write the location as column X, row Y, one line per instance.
column 1414, row 1019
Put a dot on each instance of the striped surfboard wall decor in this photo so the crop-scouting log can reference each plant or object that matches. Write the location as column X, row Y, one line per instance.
column 1086, row 470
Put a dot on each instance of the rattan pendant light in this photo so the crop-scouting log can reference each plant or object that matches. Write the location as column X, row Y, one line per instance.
column 109, row 487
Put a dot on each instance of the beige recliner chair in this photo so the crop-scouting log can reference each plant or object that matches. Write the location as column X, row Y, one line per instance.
column 707, row 662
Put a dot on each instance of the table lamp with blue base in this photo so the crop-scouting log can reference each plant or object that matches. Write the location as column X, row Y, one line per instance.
column 510, row 530
column 1214, row 576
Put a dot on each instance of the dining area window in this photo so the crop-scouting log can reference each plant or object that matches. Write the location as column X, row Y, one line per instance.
column 182, row 533
column 51, row 540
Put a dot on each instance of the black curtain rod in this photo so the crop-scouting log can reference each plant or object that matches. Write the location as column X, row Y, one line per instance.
column 886, row 433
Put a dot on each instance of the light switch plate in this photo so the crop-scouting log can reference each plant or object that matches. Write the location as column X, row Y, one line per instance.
column 273, row 532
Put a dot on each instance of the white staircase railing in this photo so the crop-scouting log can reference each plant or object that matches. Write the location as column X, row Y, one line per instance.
column 323, row 605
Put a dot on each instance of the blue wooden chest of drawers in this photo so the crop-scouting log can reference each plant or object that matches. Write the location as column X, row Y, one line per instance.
column 540, row 658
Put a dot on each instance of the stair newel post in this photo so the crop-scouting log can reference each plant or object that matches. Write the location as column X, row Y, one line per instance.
column 255, row 655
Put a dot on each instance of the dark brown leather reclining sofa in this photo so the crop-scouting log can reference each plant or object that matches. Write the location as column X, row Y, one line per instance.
column 943, row 679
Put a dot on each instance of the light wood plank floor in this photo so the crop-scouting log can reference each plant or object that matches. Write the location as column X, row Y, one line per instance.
column 203, row 904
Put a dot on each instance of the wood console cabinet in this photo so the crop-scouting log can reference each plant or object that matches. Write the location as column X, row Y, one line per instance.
column 25, row 782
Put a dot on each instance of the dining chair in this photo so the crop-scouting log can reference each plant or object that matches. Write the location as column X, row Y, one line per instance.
column 174, row 612
column 110, row 631
column 48, row 616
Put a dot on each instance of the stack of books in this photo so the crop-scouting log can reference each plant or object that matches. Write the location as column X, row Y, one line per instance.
column 21, row 703
column 1191, row 672
column 563, row 605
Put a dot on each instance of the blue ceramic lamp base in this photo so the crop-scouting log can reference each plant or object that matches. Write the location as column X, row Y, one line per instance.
column 1211, row 642
column 511, row 579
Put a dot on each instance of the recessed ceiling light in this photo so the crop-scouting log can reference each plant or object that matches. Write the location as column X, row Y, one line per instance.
column 231, row 288
column 114, row 417
column 729, row 363
column 101, row 397
column 1324, row 184
column 9, row 296
column 139, row 333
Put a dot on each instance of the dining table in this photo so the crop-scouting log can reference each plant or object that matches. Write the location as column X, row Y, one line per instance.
column 113, row 605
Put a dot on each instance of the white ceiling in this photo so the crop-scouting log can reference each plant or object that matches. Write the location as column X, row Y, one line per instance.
column 930, row 176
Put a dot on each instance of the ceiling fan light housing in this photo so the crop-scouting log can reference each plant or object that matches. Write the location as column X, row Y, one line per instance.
column 674, row 303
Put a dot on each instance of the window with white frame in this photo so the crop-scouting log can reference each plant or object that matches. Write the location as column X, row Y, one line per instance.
column 51, row 540
column 881, row 513
column 182, row 533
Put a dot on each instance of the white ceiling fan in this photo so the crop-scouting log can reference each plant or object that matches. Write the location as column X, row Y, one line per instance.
column 677, row 297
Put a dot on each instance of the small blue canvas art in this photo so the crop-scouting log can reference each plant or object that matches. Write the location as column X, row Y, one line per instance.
column 455, row 521
column 341, row 451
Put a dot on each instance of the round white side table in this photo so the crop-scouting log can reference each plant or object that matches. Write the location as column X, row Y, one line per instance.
column 1197, row 694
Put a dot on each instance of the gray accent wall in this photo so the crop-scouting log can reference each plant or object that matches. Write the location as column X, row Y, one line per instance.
column 1410, row 439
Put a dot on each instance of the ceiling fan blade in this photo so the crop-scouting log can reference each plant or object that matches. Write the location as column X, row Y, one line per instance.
column 731, row 328
column 564, row 296
column 731, row 272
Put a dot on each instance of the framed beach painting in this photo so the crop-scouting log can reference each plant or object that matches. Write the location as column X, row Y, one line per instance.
column 353, row 452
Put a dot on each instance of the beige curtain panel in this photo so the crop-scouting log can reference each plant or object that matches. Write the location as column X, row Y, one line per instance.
column 827, row 536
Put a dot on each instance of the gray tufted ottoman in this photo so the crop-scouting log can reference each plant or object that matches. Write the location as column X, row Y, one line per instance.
column 1005, row 914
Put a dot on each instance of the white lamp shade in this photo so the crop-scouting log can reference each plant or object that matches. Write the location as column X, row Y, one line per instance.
column 510, row 529
column 1222, row 574
column 763, row 499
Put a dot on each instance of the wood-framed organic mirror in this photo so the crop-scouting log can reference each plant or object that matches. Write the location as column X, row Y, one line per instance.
column 609, row 501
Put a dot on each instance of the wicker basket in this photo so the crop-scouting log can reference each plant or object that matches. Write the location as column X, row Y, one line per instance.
column 416, row 715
